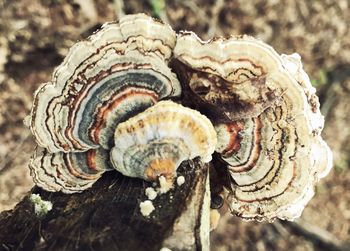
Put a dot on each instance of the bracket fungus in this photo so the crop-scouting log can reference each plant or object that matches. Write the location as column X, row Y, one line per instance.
column 267, row 119
column 111, row 105
column 119, row 71
column 155, row 142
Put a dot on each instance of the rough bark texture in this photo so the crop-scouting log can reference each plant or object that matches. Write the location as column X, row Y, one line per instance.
column 107, row 216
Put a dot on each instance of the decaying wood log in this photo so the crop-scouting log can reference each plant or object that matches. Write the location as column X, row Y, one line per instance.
column 107, row 217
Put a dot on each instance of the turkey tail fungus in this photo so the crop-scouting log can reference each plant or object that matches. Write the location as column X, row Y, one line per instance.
column 118, row 102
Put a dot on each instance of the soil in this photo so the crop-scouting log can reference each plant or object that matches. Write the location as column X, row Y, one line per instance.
column 35, row 35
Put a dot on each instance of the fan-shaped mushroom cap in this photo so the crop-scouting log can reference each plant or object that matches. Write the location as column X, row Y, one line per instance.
column 272, row 145
column 281, row 154
column 119, row 71
column 155, row 142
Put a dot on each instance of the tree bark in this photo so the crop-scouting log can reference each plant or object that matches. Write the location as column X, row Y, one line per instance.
column 107, row 217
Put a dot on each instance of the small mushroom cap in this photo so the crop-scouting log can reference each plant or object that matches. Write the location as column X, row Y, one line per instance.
column 155, row 142
column 119, row 71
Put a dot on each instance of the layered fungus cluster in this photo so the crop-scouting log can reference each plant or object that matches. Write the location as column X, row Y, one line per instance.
column 138, row 98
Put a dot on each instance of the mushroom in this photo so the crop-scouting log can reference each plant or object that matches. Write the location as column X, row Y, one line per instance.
column 267, row 118
column 156, row 141
column 148, row 145
column 104, row 110
column 118, row 72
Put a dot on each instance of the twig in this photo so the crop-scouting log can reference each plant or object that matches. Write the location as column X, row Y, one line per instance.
column 213, row 24
column 201, row 15
column 315, row 234
column 332, row 93
column 280, row 229
column 10, row 156
column 119, row 8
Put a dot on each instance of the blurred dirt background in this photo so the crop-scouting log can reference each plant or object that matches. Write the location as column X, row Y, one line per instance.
column 35, row 36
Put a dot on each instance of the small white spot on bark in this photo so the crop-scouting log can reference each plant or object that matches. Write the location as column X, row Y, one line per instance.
column 150, row 193
column 165, row 249
column 165, row 185
column 180, row 180
column 146, row 207
column 41, row 207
